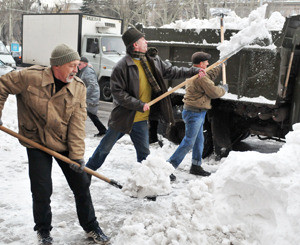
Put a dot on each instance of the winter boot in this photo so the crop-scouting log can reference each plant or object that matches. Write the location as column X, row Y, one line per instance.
column 98, row 236
column 44, row 237
column 172, row 177
column 198, row 170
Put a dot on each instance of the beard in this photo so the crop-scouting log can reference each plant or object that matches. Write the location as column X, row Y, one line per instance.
column 70, row 78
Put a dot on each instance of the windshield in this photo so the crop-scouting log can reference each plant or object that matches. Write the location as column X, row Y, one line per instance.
column 3, row 49
column 112, row 45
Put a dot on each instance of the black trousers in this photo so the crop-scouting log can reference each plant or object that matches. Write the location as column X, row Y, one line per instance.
column 99, row 125
column 40, row 166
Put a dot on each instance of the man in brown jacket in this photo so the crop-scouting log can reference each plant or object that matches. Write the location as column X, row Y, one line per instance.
column 52, row 112
column 197, row 100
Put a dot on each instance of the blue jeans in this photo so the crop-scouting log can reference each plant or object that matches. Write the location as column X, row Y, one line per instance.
column 193, row 138
column 139, row 136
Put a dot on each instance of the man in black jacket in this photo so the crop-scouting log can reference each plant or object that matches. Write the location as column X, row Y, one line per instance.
column 136, row 80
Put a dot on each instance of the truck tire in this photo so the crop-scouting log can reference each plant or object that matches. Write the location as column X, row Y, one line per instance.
column 105, row 92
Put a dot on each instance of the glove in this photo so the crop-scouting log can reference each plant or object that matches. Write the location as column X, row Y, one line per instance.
column 1, row 123
column 225, row 87
column 77, row 168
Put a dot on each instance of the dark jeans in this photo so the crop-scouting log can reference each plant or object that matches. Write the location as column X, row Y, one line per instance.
column 139, row 136
column 40, row 166
column 99, row 125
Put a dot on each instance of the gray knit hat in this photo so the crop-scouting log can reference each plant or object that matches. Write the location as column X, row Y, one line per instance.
column 63, row 54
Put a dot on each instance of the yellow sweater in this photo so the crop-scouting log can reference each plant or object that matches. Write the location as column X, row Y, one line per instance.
column 144, row 92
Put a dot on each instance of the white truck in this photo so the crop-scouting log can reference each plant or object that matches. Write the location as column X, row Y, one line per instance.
column 95, row 37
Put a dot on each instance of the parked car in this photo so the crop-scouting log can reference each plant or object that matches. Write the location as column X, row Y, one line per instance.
column 17, row 57
column 4, row 68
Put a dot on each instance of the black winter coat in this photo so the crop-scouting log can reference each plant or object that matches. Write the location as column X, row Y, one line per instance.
column 124, row 83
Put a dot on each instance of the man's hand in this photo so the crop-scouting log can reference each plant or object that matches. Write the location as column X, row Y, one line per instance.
column 77, row 168
column 201, row 73
column 146, row 107
column 1, row 123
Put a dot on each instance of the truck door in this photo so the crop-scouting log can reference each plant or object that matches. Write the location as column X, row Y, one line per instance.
column 92, row 52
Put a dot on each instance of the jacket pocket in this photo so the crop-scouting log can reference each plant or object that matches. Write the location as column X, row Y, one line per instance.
column 68, row 110
column 37, row 101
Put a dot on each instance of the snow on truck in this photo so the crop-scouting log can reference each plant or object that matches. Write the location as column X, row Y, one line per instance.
column 95, row 37
column 264, row 84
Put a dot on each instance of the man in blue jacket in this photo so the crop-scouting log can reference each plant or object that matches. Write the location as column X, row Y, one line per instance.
column 89, row 77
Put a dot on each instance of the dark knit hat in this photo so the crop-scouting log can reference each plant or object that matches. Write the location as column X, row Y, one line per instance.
column 199, row 57
column 63, row 54
column 84, row 59
column 131, row 36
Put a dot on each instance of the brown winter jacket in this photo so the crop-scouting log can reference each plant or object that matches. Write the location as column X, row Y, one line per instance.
column 124, row 83
column 56, row 121
column 200, row 91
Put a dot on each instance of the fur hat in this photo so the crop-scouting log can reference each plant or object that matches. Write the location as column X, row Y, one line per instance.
column 63, row 54
column 131, row 36
column 199, row 57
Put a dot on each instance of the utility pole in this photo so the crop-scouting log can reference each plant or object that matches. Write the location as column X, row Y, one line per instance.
column 10, row 26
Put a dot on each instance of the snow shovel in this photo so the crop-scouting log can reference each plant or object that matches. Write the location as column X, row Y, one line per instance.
column 59, row 156
column 152, row 102
column 221, row 13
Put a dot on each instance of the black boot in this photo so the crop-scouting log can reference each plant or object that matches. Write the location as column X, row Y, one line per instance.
column 198, row 170
column 44, row 237
column 172, row 177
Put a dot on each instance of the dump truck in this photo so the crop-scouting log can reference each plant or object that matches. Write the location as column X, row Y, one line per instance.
column 264, row 84
column 95, row 37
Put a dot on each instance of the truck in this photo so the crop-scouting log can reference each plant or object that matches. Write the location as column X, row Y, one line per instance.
column 95, row 37
column 264, row 85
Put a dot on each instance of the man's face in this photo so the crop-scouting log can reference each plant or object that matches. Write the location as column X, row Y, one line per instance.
column 141, row 45
column 202, row 64
column 66, row 72
column 82, row 65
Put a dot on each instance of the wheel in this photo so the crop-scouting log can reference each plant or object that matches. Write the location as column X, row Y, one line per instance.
column 105, row 92
column 208, row 141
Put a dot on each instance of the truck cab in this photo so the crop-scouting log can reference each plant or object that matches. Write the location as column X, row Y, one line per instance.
column 103, row 51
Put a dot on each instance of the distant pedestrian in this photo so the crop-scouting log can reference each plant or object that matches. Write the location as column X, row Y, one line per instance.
column 197, row 100
column 52, row 112
column 89, row 77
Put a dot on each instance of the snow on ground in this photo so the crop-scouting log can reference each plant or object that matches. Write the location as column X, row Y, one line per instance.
column 251, row 197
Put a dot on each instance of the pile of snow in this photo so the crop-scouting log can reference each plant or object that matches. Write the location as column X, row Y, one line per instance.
column 252, row 199
column 231, row 21
column 256, row 29
column 151, row 178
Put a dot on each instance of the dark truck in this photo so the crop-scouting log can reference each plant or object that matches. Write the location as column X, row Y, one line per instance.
column 264, row 84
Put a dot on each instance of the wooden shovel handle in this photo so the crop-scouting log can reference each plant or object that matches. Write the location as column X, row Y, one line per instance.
column 59, row 156
column 152, row 102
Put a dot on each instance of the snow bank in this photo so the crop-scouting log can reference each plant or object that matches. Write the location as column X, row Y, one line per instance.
column 251, row 199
